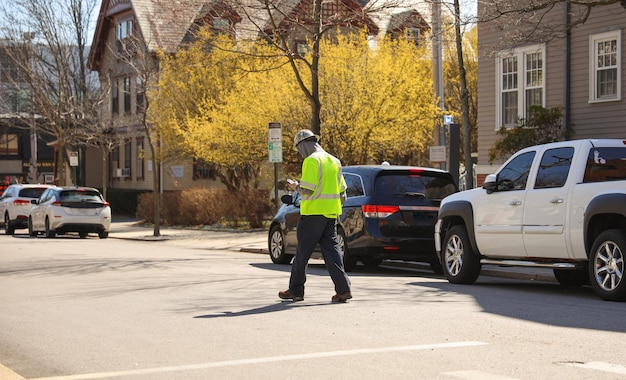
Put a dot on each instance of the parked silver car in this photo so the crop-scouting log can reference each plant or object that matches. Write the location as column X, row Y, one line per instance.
column 70, row 209
column 15, row 205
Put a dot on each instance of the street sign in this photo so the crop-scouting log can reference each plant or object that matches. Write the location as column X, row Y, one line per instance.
column 275, row 142
column 447, row 119
column 73, row 158
column 438, row 153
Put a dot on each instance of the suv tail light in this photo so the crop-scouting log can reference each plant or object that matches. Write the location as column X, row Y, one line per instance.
column 379, row 212
column 21, row 202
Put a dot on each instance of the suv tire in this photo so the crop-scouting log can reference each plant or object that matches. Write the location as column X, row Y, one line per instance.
column 276, row 245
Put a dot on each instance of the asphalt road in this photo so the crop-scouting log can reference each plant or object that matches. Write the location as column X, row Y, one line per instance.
column 185, row 309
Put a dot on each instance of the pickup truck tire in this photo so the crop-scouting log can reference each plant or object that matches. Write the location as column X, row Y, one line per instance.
column 461, row 265
column 606, row 265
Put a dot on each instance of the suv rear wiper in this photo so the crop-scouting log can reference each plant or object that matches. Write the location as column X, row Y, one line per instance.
column 414, row 194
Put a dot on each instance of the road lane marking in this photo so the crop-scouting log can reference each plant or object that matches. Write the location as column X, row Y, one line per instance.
column 601, row 366
column 477, row 375
column 267, row 359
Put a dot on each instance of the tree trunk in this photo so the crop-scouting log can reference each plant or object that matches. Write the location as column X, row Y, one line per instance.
column 467, row 126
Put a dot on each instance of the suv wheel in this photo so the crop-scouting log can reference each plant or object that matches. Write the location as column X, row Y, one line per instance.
column 606, row 265
column 276, row 247
column 349, row 261
column 461, row 265
column 8, row 228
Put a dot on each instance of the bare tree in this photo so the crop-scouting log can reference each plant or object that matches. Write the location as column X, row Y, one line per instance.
column 47, row 42
column 523, row 21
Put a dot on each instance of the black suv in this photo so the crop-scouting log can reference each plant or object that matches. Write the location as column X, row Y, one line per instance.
column 390, row 213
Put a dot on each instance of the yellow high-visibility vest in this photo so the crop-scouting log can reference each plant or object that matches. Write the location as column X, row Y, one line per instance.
column 321, row 173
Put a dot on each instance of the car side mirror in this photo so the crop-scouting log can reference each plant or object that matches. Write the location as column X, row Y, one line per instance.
column 34, row 201
column 491, row 183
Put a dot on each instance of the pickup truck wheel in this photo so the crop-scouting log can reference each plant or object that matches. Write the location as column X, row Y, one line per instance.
column 461, row 265
column 606, row 265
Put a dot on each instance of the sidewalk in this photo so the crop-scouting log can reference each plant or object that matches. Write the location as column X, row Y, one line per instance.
column 255, row 241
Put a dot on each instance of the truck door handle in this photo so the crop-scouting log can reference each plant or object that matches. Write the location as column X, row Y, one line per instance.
column 515, row 203
column 557, row 200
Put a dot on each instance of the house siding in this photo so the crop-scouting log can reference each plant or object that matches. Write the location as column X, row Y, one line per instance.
column 590, row 120
column 597, row 120
column 175, row 175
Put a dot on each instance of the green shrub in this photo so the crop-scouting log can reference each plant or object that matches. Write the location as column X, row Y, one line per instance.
column 201, row 207
column 543, row 126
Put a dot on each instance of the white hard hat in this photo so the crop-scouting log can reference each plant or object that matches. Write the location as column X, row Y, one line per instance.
column 302, row 135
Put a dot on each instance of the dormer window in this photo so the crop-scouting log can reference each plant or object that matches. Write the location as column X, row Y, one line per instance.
column 123, row 33
column 221, row 25
column 413, row 35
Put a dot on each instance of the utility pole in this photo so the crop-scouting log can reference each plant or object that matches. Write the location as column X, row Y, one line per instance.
column 439, row 136
column 32, row 168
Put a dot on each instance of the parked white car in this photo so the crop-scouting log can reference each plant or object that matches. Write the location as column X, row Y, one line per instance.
column 70, row 209
column 15, row 205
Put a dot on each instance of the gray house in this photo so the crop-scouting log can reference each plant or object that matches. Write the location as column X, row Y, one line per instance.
column 534, row 59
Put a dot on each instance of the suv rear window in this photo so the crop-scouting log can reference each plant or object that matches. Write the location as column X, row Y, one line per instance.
column 80, row 196
column 426, row 185
column 605, row 164
column 32, row 192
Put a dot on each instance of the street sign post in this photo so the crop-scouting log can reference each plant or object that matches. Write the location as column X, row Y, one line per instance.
column 275, row 147
column 275, row 142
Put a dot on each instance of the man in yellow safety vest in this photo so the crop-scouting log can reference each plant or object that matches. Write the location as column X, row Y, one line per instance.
column 323, row 191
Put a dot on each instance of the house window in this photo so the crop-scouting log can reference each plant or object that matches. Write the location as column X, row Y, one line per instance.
column 123, row 33
column 126, row 94
column 127, row 158
column 605, row 65
column 115, row 100
column 302, row 48
column 202, row 170
column 115, row 161
column 221, row 25
column 8, row 144
column 140, row 95
column 413, row 35
column 332, row 9
column 521, row 84
column 140, row 157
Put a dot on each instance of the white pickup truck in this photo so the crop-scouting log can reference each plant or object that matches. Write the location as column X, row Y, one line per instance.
column 560, row 205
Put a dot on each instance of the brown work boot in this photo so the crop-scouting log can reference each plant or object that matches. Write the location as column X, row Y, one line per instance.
column 341, row 297
column 287, row 295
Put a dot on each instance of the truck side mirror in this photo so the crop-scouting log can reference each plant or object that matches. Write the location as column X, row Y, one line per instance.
column 491, row 183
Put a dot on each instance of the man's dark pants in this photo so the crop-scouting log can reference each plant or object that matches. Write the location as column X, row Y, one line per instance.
column 314, row 229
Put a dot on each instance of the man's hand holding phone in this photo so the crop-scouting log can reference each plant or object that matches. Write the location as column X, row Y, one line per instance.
column 292, row 184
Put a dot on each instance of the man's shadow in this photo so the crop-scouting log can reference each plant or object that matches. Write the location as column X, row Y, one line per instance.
column 280, row 306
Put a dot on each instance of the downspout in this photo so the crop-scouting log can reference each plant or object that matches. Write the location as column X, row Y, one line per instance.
column 568, row 47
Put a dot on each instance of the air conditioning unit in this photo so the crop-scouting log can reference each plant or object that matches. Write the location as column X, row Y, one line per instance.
column 122, row 172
